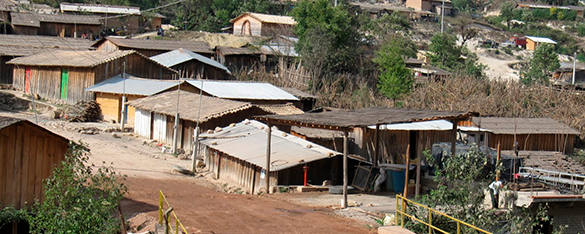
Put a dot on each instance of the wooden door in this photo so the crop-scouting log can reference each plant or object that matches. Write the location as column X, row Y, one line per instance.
column 27, row 75
column 246, row 28
column 64, row 83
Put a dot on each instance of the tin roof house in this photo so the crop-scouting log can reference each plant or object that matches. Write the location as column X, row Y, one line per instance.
column 192, row 65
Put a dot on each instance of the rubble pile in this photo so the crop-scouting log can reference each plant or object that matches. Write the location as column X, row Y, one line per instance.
column 84, row 111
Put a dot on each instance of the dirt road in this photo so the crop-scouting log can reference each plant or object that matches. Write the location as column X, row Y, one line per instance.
column 200, row 207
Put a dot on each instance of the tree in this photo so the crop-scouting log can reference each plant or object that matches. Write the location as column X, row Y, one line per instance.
column 213, row 15
column 395, row 79
column 544, row 61
column 79, row 199
column 507, row 12
column 445, row 52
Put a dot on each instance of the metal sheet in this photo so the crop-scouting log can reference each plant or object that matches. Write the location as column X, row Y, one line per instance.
column 132, row 86
column 434, row 125
column 179, row 56
column 247, row 141
column 242, row 90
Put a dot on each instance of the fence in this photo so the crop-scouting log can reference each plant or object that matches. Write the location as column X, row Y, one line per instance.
column 162, row 213
column 556, row 178
column 402, row 202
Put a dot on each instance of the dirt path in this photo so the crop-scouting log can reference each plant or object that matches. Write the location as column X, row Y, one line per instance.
column 200, row 207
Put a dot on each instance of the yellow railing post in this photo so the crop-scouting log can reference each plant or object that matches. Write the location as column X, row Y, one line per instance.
column 160, row 208
column 458, row 227
column 176, row 226
column 403, row 211
column 396, row 213
column 430, row 221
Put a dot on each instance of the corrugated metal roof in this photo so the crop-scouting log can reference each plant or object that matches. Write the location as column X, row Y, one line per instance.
column 523, row 125
column 433, row 125
column 99, row 8
column 282, row 50
column 34, row 20
column 181, row 55
column 298, row 93
column 541, row 39
column 247, row 141
column 242, row 90
column 132, row 86
column 265, row 18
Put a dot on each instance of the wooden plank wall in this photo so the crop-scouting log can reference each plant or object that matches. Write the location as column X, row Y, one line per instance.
column 142, row 67
column 28, row 156
column 5, row 70
column 197, row 70
column 25, row 30
column 537, row 142
column 79, row 80
column 255, row 26
column 44, row 81
column 269, row 29
column 68, row 30
column 242, row 62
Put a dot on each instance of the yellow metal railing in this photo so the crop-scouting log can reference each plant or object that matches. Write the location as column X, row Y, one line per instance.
column 161, row 214
column 402, row 202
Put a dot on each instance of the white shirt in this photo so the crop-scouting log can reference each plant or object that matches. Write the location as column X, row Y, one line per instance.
column 496, row 185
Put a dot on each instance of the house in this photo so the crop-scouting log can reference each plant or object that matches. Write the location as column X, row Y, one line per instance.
column 256, row 24
column 29, row 153
column 564, row 75
column 533, row 42
column 56, row 25
column 108, row 94
column 242, row 58
column 5, row 9
column 13, row 46
column 64, row 75
column 428, row 72
column 579, row 10
column 192, row 65
column 307, row 100
column 152, row 47
column 378, row 10
column 434, row 6
column 537, row 134
column 155, row 115
column 253, row 92
column 127, row 19
column 237, row 152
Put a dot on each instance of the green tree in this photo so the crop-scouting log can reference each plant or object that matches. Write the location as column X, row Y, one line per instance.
column 395, row 79
column 544, row 61
column 78, row 198
column 213, row 15
column 507, row 12
column 444, row 51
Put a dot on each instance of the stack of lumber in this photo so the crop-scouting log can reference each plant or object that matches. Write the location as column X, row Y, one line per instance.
column 85, row 111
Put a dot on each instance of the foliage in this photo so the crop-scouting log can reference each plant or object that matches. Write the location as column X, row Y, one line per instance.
column 507, row 11
column 581, row 30
column 395, row 79
column 213, row 15
column 544, row 61
column 10, row 214
column 464, row 5
column 446, row 54
column 143, row 4
column 79, row 199
column 579, row 156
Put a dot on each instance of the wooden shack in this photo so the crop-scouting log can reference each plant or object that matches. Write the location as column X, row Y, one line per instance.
column 155, row 115
column 256, row 24
column 28, row 154
column 56, row 25
column 536, row 134
column 152, row 47
column 533, row 42
column 238, row 153
column 242, row 58
column 13, row 46
column 64, row 75
column 307, row 100
column 192, row 65
column 109, row 94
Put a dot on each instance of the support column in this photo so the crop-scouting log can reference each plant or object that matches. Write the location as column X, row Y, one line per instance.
column 344, row 203
column 267, row 174
column 454, row 140
column 376, row 146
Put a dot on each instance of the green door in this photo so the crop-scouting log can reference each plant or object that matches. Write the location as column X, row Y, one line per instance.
column 64, row 82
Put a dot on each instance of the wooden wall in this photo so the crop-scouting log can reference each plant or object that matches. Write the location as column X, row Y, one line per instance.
column 25, row 30
column 107, row 46
column 28, row 156
column 254, row 30
column 44, row 81
column 68, row 30
column 5, row 70
column 269, row 29
column 537, row 142
column 239, row 62
column 111, row 105
column 194, row 69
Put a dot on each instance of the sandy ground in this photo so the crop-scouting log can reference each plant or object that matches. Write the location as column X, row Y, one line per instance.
column 498, row 69
column 197, row 202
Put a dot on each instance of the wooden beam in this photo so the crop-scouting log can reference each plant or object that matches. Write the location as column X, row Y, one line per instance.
column 454, row 140
column 418, row 162
column 267, row 174
column 376, row 145
column 407, row 165
column 345, row 174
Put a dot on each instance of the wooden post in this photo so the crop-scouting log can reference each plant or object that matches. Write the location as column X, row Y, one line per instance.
column 417, row 184
column 499, row 155
column 345, row 169
column 407, row 164
column 454, row 140
column 267, row 174
column 377, row 145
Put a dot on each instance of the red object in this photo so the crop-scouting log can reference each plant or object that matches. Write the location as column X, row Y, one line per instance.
column 519, row 41
column 305, row 168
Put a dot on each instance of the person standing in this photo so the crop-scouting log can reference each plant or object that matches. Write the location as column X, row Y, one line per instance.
column 495, row 192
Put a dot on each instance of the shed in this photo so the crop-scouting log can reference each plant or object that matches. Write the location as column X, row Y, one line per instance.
column 28, row 154
column 564, row 75
column 308, row 100
column 192, row 65
column 12, row 46
column 55, row 25
column 155, row 115
column 256, row 24
column 152, row 47
column 254, row 92
column 240, row 58
column 64, row 75
column 538, row 134
column 237, row 152
column 533, row 42
column 433, row 6
column 109, row 94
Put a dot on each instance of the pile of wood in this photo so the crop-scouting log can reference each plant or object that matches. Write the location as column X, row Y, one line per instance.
column 84, row 111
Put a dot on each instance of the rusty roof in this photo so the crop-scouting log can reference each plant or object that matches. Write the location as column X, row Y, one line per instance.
column 152, row 44
column 523, row 125
column 211, row 107
column 34, row 20
column 346, row 119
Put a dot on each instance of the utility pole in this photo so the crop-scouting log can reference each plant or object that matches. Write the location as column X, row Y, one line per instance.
column 196, row 150
column 442, row 15
column 574, row 68
column 123, row 116
column 177, row 121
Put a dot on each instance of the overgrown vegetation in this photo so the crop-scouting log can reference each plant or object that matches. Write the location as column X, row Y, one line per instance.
column 544, row 61
column 79, row 198
column 395, row 80
column 446, row 54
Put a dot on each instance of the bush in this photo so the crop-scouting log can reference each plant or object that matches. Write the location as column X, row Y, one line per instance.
column 581, row 30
